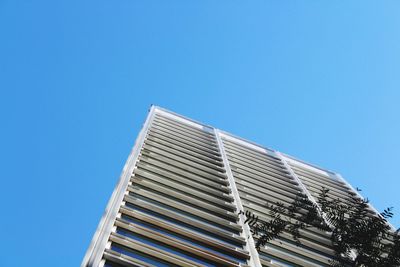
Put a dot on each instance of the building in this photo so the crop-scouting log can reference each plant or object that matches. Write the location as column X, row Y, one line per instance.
column 177, row 201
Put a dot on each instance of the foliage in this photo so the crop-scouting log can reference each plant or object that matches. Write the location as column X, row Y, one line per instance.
column 359, row 237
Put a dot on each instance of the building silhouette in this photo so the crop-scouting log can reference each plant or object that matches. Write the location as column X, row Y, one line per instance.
column 178, row 199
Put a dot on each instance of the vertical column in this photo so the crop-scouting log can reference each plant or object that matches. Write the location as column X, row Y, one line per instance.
column 250, row 244
column 302, row 186
column 93, row 256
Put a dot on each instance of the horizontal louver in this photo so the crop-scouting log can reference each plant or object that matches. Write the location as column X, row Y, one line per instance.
column 178, row 209
column 262, row 179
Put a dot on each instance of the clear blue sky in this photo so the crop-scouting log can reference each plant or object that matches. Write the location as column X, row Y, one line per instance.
column 319, row 80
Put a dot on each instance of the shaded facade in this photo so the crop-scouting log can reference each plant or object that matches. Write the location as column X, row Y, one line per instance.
column 178, row 199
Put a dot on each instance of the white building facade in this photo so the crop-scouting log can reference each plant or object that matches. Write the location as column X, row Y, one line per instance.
column 178, row 199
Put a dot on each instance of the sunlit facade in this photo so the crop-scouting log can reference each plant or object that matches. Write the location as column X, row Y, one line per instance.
column 178, row 200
